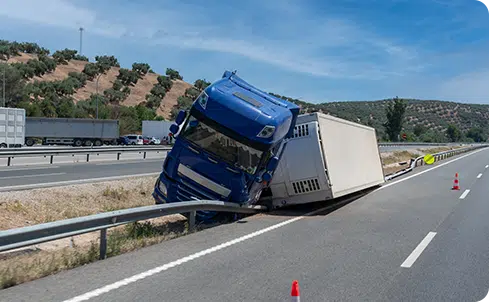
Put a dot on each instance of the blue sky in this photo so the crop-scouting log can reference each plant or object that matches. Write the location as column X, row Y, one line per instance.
column 321, row 50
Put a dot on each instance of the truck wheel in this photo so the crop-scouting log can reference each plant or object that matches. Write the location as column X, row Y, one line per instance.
column 87, row 143
column 3, row 145
column 98, row 143
column 29, row 142
column 77, row 142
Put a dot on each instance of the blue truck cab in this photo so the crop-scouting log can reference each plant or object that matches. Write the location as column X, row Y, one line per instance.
column 227, row 145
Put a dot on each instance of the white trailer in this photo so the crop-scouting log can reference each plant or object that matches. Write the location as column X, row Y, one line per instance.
column 158, row 129
column 327, row 158
column 12, row 127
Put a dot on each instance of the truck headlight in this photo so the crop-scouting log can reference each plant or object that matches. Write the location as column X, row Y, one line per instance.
column 266, row 132
column 162, row 188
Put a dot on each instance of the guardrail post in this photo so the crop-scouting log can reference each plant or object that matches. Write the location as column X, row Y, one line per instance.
column 118, row 155
column 144, row 155
column 88, row 157
column 8, row 161
column 103, row 244
column 191, row 221
column 51, row 159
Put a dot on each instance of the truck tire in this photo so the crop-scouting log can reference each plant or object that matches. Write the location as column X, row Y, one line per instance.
column 77, row 142
column 29, row 142
column 97, row 143
column 3, row 145
column 87, row 143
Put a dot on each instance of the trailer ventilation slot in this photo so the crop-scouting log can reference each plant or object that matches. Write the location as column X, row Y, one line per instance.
column 301, row 130
column 306, row 186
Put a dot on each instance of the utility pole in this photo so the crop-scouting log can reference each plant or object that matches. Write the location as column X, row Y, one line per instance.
column 3, row 83
column 96, row 91
column 81, row 39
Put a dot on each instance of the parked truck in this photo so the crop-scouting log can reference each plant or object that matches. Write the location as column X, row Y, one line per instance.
column 228, row 145
column 71, row 131
column 157, row 129
column 240, row 144
column 12, row 127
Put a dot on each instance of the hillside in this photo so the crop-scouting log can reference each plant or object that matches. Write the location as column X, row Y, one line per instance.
column 425, row 120
column 106, row 81
column 63, row 84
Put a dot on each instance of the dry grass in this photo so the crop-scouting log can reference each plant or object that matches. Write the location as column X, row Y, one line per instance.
column 31, row 265
column 138, row 91
column 390, row 158
column 23, row 208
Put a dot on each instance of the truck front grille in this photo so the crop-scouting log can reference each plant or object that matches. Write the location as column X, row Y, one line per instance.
column 187, row 192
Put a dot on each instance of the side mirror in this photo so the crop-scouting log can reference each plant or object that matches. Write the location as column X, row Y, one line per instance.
column 272, row 163
column 174, row 128
column 180, row 117
column 267, row 177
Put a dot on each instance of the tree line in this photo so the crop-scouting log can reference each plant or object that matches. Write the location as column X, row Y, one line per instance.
column 395, row 115
column 55, row 98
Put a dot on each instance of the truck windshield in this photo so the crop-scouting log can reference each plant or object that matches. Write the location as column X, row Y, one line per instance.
column 226, row 148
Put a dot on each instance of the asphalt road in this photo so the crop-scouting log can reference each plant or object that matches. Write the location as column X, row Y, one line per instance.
column 372, row 249
column 26, row 177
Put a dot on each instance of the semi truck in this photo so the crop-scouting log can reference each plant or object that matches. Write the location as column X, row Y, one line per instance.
column 228, row 144
column 239, row 144
column 71, row 131
column 12, row 127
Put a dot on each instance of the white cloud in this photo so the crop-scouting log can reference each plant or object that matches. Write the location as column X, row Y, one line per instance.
column 325, row 47
column 469, row 87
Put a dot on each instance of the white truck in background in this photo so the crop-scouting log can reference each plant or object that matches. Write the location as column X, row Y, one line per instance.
column 12, row 127
column 158, row 129
column 327, row 158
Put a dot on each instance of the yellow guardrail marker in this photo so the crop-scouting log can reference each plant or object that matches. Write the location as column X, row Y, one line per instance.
column 429, row 159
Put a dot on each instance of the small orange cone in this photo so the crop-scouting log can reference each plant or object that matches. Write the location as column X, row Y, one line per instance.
column 455, row 183
column 294, row 293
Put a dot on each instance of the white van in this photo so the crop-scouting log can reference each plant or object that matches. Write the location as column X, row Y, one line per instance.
column 135, row 139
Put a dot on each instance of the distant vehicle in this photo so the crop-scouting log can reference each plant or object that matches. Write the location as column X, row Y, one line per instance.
column 135, row 139
column 151, row 140
column 122, row 140
column 12, row 127
column 157, row 129
column 71, row 131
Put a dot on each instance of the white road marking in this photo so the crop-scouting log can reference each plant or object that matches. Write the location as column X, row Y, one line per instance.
column 159, row 269
column 120, row 162
column 14, row 168
column 464, row 194
column 487, row 166
column 72, row 182
column 480, row 175
column 427, row 170
column 418, row 250
column 33, row 175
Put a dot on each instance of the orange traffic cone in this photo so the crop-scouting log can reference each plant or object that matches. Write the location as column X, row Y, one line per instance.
column 455, row 183
column 295, row 292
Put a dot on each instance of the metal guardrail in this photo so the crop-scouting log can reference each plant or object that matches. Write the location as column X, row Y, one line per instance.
column 10, row 154
column 420, row 144
column 30, row 235
column 419, row 161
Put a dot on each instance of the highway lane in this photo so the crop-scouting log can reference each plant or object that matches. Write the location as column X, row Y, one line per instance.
column 454, row 266
column 352, row 254
column 79, row 158
column 18, row 177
